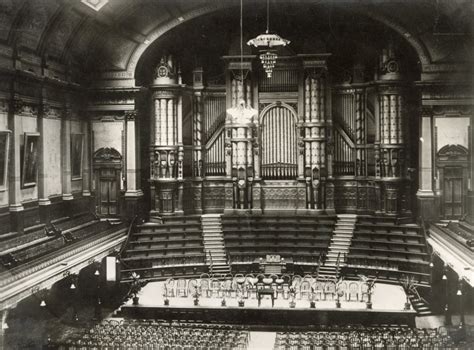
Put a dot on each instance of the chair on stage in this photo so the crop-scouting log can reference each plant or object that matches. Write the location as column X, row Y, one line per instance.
column 215, row 287
column 260, row 284
column 251, row 283
column 353, row 294
column 280, row 286
column 308, row 278
column 181, row 288
column 205, row 287
column 318, row 289
column 329, row 290
column 274, row 278
column 295, row 283
column 342, row 289
column 170, row 288
column 226, row 288
column 305, row 289
column 192, row 284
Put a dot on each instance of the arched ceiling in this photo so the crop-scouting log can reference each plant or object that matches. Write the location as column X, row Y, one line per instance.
column 115, row 37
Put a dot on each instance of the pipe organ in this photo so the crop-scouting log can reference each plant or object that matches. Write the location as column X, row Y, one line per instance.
column 314, row 128
column 278, row 143
column 297, row 140
column 166, row 149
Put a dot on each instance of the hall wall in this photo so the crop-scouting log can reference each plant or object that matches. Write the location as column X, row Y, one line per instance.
column 53, row 113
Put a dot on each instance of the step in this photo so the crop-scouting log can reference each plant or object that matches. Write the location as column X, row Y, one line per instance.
column 343, row 230
column 208, row 226
column 335, row 243
column 212, row 234
column 345, row 224
column 218, row 254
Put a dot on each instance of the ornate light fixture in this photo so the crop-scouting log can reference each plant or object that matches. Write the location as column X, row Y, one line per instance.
column 268, row 44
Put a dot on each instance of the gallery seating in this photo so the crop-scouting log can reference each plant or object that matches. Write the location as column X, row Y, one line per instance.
column 160, row 250
column 247, row 238
column 382, row 246
column 20, row 249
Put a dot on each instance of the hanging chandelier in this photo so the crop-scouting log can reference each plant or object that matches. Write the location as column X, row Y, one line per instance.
column 268, row 44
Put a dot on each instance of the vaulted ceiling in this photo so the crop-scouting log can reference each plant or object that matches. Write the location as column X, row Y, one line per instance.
column 115, row 37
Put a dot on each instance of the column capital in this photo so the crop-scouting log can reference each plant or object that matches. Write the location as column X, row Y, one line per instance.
column 17, row 105
column 131, row 115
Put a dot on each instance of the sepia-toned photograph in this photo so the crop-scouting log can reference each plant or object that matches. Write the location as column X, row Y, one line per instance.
column 236, row 174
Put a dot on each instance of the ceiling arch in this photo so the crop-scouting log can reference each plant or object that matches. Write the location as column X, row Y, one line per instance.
column 411, row 38
column 114, row 38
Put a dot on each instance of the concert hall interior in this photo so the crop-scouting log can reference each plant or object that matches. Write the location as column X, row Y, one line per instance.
column 236, row 174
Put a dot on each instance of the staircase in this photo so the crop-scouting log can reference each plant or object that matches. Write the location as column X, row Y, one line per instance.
column 339, row 246
column 213, row 239
column 419, row 305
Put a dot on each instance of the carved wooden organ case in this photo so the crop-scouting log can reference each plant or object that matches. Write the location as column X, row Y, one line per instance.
column 296, row 141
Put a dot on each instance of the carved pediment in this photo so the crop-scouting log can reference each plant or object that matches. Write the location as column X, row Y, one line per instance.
column 453, row 152
column 107, row 154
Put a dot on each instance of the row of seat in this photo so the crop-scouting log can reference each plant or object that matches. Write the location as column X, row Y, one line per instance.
column 367, row 338
column 389, row 248
column 250, row 237
column 155, row 335
column 175, row 243
column 50, row 238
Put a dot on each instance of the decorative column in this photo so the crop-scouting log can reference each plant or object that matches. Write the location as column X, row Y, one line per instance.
column 197, row 127
column 391, row 144
column 243, row 189
column 166, row 149
column 314, row 131
column 86, row 164
column 43, row 198
column 470, row 192
column 66, row 159
column 133, row 193
column 360, row 133
column 425, row 194
column 15, row 108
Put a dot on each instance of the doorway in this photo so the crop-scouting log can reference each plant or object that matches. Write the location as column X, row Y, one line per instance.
column 452, row 163
column 107, row 169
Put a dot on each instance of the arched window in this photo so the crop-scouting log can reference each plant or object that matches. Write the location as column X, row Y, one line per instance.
column 279, row 143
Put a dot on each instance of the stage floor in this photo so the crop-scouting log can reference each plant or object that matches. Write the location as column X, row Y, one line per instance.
column 386, row 297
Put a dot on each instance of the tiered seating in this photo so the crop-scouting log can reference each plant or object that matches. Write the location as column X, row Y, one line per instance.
column 174, row 247
column 461, row 232
column 382, row 246
column 302, row 238
column 20, row 249
column 366, row 338
column 113, row 334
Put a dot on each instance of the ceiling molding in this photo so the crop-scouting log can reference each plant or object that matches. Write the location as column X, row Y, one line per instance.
column 96, row 5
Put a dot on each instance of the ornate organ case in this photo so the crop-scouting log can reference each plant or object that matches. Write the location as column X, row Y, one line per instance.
column 297, row 141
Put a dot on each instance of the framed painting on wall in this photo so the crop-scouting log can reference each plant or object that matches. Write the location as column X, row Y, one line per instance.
column 4, row 153
column 29, row 169
column 77, row 150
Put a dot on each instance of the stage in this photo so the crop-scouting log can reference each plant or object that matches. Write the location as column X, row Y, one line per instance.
column 387, row 309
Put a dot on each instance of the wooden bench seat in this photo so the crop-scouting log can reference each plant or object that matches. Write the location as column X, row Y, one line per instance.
column 152, row 255
column 174, row 241
column 388, row 228
column 359, row 232
column 387, row 254
column 169, row 235
column 170, row 227
column 277, row 235
column 387, row 242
